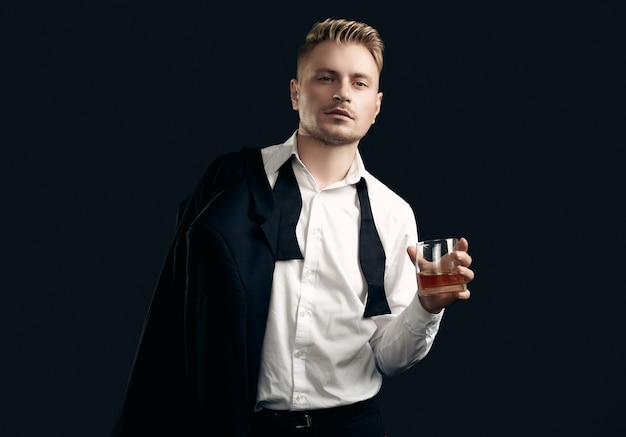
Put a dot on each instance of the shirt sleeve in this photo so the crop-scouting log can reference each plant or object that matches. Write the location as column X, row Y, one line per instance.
column 404, row 339
column 405, row 336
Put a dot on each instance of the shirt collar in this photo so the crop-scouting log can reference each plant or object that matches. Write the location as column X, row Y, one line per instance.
column 281, row 153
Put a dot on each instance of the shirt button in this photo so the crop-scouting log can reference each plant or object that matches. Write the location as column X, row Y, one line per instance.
column 308, row 273
column 298, row 354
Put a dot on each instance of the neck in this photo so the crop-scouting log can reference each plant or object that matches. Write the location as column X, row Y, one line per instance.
column 326, row 163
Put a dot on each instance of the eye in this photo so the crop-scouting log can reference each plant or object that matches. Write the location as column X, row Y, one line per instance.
column 324, row 78
column 360, row 84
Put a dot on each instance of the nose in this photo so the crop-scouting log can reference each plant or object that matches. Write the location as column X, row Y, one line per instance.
column 342, row 94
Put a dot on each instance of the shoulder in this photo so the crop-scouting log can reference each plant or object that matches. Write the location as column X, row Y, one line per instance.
column 383, row 198
column 231, row 167
column 393, row 215
column 226, row 170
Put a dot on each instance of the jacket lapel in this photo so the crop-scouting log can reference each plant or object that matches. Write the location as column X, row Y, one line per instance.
column 263, row 206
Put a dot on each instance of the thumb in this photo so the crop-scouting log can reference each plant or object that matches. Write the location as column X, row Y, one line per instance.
column 412, row 251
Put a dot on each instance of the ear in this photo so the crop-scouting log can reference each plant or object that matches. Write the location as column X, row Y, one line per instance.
column 294, row 91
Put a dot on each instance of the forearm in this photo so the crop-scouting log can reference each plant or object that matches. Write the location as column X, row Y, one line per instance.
column 406, row 339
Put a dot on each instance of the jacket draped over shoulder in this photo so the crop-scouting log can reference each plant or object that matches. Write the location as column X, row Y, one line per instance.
column 198, row 359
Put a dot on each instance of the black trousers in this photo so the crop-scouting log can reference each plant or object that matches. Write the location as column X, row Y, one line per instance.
column 357, row 420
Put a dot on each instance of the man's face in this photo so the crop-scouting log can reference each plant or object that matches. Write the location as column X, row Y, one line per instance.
column 337, row 96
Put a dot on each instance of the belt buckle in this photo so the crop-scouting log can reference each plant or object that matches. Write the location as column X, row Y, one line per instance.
column 305, row 423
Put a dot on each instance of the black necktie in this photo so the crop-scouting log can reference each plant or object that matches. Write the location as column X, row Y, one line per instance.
column 371, row 252
column 289, row 202
column 371, row 256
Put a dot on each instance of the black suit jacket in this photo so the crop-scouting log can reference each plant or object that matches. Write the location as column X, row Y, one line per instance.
column 197, row 363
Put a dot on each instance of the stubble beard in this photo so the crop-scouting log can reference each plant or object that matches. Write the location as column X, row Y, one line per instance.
column 329, row 138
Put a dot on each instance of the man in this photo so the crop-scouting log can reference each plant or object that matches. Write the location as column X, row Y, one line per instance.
column 290, row 286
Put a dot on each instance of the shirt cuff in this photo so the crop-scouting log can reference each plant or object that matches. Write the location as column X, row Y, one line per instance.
column 417, row 318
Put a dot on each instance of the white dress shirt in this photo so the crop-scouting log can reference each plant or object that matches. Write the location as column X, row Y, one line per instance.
column 319, row 351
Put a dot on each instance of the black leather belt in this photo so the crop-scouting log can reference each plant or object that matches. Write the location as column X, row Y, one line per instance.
column 284, row 419
column 289, row 419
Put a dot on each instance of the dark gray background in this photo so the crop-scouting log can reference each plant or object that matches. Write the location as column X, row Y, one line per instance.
column 501, row 122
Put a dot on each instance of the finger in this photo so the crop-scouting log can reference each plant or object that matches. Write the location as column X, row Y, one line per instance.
column 462, row 244
column 462, row 258
column 467, row 273
column 463, row 295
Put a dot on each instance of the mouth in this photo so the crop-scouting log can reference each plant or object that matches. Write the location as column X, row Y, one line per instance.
column 339, row 111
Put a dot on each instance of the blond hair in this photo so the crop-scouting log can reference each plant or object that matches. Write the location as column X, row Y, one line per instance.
column 342, row 31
